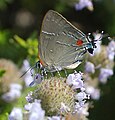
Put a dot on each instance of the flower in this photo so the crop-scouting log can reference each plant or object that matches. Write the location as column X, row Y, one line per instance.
column 84, row 3
column 81, row 96
column 13, row 94
column 89, row 67
column 82, row 110
column 16, row 114
column 29, row 97
column 34, row 78
column 75, row 80
column 104, row 74
column 35, row 111
column 10, row 76
column 94, row 93
column 111, row 50
column 28, row 79
column 37, row 79
column 52, row 92
column 59, row 95
column 28, row 106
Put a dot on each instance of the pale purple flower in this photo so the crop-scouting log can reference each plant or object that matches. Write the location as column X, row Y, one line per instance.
column 36, row 112
column 79, row 105
column 28, row 79
column 94, row 93
column 75, row 80
column 111, row 50
column 104, row 74
column 78, row 84
column 14, row 93
column 89, row 67
column 26, row 65
column 16, row 114
column 82, row 110
column 37, row 79
column 84, row 3
column 28, row 106
column 15, row 86
column 29, row 97
column 81, row 96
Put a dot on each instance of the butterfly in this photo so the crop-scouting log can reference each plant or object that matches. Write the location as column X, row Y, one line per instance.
column 61, row 44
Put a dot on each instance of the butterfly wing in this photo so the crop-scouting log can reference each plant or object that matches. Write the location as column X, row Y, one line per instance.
column 57, row 40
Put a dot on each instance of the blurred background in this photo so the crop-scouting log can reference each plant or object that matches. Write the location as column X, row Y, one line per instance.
column 20, row 23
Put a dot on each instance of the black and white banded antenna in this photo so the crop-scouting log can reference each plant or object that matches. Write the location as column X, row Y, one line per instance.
column 37, row 65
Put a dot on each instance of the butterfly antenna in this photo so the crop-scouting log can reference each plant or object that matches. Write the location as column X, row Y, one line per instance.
column 25, row 72
column 102, row 36
column 30, row 69
column 110, row 38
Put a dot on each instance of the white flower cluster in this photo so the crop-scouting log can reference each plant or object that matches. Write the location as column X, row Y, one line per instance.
column 35, row 112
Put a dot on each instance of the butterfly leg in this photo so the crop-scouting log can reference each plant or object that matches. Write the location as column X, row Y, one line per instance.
column 65, row 71
column 45, row 72
column 52, row 74
column 57, row 71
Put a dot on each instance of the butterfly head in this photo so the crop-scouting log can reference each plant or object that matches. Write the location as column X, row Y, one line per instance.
column 90, row 47
column 92, row 39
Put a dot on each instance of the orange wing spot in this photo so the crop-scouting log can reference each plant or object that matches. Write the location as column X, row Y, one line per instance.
column 41, row 61
column 79, row 42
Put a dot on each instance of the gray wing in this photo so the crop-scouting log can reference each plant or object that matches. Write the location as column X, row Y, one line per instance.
column 56, row 40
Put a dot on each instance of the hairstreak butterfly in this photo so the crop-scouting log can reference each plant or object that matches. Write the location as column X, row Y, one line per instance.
column 61, row 45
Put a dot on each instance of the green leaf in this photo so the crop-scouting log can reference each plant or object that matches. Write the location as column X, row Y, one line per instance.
column 2, row 72
column 21, row 41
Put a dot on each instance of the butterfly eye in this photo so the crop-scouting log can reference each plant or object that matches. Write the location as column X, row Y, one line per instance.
column 90, row 50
